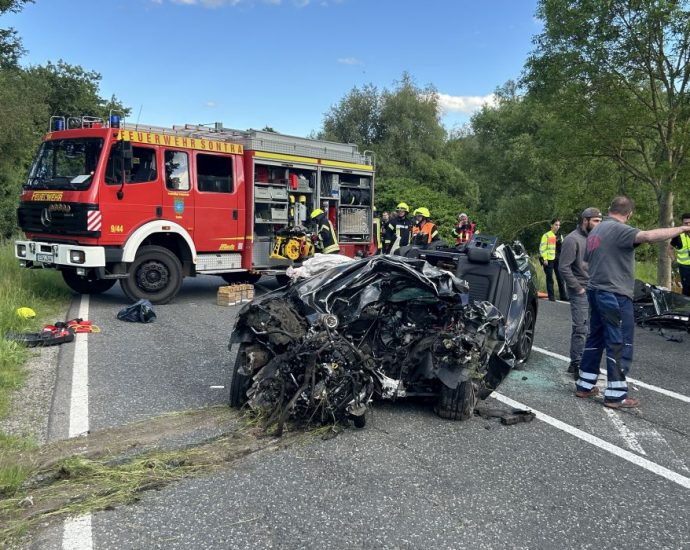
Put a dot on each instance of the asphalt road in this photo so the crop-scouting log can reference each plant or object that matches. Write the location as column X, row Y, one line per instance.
column 409, row 479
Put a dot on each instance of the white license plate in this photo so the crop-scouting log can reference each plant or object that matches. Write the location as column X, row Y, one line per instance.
column 45, row 258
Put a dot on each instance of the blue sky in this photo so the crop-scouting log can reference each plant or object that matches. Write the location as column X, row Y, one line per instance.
column 279, row 63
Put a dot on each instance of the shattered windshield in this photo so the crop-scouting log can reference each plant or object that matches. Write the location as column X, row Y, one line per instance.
column 65, row 164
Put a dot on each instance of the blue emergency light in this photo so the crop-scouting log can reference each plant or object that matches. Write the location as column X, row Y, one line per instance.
column 114, row 121
column 59, row 124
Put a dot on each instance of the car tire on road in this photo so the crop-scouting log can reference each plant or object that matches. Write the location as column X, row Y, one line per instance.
column 239, row 383
column 457, row 404
column 523, row 346
column 155, row 275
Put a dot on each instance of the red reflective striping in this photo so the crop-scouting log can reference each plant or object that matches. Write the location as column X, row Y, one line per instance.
column 93, row 220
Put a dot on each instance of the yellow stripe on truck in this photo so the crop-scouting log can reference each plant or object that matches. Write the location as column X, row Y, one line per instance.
column 309, row 160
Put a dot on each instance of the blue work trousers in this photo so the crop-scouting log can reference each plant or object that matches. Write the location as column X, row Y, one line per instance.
column 611, row 328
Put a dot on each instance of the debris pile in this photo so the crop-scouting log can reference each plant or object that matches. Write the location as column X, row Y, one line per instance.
column 386, row 327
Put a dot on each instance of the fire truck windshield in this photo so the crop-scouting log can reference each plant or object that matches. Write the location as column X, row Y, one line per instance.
column 65, row 164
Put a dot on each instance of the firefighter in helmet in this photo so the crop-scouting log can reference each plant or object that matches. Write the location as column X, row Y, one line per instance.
column 424, row 230
column 399, row 228
column 326, row 239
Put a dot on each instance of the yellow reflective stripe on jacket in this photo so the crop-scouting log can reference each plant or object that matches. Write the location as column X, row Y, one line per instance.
column 328, row 239
column 547, row 247
column 377, row 232
column 683, row 253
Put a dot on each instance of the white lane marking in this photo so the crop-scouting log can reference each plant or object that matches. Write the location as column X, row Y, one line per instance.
column 648, row 465
column 76, row 534
column 217, row 387
column 627, row 435
column 79, row 400
column 657, row 389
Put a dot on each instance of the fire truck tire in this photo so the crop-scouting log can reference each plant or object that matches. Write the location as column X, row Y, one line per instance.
column 86, row 285
column 155, row 275
column 241, row 277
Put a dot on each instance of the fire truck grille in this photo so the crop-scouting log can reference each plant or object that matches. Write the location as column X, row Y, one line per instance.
column 66, row 218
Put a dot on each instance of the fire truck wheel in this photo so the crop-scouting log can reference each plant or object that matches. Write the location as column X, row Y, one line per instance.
column 155, row 275
column 241, row 277
column 86, row 285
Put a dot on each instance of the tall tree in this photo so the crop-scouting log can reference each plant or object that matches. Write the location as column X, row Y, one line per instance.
column 10, row 44
column 617, row 73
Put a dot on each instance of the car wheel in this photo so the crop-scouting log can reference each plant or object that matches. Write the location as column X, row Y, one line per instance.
column 155, row 275
column 86, row 285
column 457, row 404
column 523, row 347
column 239, row 382
column 248, row 277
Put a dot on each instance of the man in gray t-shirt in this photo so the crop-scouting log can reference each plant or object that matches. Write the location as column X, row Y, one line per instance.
column 611, row 258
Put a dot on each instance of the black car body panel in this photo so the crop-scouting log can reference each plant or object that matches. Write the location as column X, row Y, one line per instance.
column 387, row 327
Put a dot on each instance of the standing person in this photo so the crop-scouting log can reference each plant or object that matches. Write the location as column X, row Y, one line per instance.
column 376, row 227
column 327, row 240
column 385, row 232
column 574, row 271
column 463, row 230
column 681, row 246
column 424, row 230
column 549, row 250
column 400, row 228
column 611, row 259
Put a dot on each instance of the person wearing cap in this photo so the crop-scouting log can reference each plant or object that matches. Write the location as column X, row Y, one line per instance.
column 424, row 230
column 327, row 240
column 574, row 272
column 610, row 258
column 550, row 251
column 400, row 228
column 681, row 246
column 463, row 230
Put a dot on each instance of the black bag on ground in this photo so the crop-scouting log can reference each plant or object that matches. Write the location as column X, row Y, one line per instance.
column 139, row 312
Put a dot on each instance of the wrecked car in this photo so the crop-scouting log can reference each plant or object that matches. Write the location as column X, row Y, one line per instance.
column 385, row 327
column 656, row 307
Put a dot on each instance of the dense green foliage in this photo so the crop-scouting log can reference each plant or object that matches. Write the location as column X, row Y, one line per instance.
column 28, row 97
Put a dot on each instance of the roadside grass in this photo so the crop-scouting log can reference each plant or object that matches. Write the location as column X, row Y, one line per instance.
column 45, row 293
column 115, row 466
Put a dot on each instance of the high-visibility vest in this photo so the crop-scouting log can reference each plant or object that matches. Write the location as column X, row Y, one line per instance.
column 328, row 240
column 547, row 247
column 427, row 228
column 683, row 253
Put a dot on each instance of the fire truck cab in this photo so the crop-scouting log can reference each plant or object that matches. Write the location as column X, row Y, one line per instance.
column 148, row 206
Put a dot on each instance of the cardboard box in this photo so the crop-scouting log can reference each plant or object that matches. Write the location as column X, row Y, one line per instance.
column 232, row 295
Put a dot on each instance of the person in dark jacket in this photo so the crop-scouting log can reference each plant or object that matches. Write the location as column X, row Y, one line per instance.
column 327, row 240
column 400, row 228
column 574, row 272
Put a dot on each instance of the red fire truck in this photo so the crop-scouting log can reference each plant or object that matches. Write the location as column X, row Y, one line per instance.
column 148, row 206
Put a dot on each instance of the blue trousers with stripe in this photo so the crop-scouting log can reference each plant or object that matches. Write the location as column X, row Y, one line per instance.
column 611, row 328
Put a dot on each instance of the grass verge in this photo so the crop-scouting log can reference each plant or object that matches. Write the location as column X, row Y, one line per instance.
column 45, row 293
column 115, row 466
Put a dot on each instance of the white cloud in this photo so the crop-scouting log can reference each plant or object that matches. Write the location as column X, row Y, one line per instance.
column 211, row 104
column 464, row 103
column 302, row 3
column 350, row 61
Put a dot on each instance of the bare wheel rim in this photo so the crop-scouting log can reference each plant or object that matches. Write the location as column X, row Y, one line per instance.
column 153, row 276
